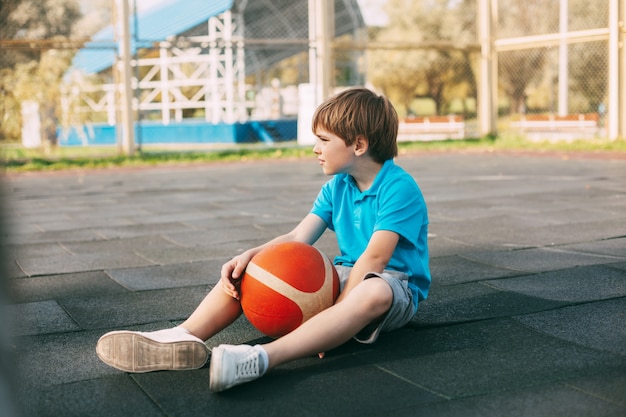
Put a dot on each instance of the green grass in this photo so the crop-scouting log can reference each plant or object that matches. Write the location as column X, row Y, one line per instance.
column 516, row 143
column 18, row 159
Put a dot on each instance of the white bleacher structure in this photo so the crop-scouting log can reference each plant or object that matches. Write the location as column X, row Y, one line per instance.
column 198, row 57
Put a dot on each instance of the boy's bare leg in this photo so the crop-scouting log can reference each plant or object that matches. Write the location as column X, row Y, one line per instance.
column 334, row 326
column 233, row 365
column 176, row 348
column 213, row 314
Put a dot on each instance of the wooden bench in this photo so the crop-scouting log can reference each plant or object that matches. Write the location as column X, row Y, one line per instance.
column 549, row 126
column 431, row 128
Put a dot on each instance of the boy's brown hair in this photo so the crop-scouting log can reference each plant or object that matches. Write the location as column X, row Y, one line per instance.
column 361, row 112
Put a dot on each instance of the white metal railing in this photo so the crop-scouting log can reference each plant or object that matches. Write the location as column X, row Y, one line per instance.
column 208, row 75
column 430, row 128
column 552, row 122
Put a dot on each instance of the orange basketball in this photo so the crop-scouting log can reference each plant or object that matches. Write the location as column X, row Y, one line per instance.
column 285, row 285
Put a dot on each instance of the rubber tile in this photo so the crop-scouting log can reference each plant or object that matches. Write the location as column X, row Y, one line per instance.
column 538, row 260
column 579, row 284
column 451, row 270
column 54, row 287
column 169, row 276
column 116, row 395
column 475, row 301
column 40, row 317
column 133, row 308
column 600, row 325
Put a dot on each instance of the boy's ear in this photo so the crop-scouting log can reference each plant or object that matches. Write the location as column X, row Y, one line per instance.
column 361, row 145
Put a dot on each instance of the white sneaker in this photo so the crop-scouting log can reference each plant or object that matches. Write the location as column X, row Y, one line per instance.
column 145, row 352
column 233, row 365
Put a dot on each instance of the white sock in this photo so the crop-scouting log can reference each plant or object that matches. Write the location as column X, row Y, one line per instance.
column 264, row 360
column 173, row 334
column 181, row 329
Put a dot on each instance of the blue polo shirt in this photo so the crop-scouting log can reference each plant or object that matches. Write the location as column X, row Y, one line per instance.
column 395, row 203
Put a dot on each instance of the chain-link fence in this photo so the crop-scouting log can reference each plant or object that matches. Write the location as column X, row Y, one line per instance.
column 249, row 63
column 552, row 83
column 552, row 60
column 229, row 66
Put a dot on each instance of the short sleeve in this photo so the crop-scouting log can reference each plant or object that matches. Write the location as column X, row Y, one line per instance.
column 401, row 209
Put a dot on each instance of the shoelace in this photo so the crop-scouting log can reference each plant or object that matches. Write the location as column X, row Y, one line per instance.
column 248, row 366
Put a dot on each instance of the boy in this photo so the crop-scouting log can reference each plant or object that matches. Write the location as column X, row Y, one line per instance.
column 380, row 219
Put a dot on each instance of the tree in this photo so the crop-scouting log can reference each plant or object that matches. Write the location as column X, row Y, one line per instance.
column 8, row 28
column 35, row 20
column 37, row 81
column 588, row 90
column 432, row 72
column 518, row 69
column 96, row 14
column 33, row 74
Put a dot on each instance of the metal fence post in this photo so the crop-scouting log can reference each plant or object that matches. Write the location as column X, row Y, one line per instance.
column 128, row 128
column 488, row 80
column 616, row 117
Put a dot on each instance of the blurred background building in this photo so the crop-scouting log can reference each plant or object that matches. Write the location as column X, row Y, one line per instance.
column 240, row 71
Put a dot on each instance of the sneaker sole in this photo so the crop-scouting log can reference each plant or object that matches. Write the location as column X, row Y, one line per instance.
column 132, row 352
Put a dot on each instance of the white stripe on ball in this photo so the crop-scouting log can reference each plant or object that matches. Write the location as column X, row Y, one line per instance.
column 312, row 303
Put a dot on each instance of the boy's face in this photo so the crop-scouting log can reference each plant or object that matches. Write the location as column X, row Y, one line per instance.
column 333, row 154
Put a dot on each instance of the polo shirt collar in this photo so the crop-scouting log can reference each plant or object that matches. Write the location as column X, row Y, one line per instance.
column 373, row 190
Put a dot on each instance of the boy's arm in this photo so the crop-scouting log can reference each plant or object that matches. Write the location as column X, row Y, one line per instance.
column 308, row 231
column 374, row 259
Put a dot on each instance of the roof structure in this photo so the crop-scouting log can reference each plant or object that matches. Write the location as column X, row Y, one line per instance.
column 169, row 18
column 264, row 19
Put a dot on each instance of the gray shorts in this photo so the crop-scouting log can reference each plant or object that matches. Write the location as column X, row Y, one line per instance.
column 401, row 310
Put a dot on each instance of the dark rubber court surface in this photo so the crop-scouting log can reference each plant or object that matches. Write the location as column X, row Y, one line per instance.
column 526, row 317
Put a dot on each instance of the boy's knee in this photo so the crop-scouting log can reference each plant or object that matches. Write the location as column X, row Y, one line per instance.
column 376, row 295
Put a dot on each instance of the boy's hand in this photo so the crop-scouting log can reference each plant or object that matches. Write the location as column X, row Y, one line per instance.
column 232, row 272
